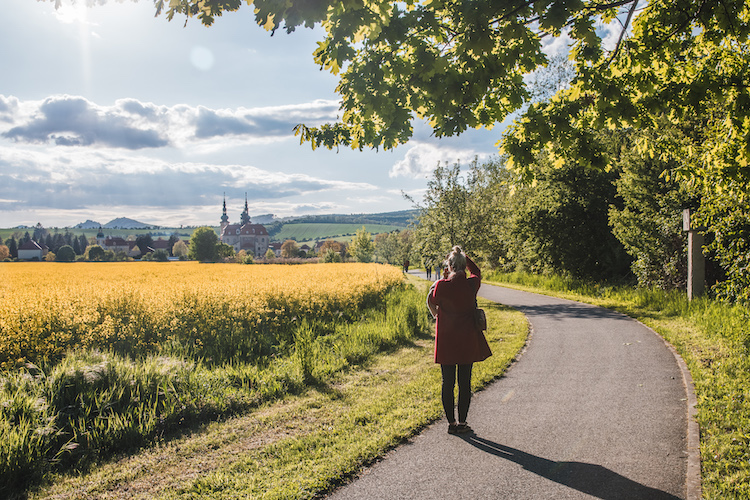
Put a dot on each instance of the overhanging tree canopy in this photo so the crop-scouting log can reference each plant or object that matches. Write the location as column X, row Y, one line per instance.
column 461, row 64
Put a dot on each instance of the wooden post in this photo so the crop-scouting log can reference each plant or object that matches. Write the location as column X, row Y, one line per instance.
column 696, row 282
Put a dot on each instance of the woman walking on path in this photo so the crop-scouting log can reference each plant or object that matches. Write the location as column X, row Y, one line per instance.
column 458, row 342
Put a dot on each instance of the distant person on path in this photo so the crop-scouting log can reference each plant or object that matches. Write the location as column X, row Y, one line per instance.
column 406, row 265
column 458, row 342
column 428, row 268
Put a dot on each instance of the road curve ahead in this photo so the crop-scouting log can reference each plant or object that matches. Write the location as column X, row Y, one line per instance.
column 596, row 407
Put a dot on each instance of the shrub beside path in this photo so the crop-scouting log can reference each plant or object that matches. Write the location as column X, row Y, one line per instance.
column 596, row 407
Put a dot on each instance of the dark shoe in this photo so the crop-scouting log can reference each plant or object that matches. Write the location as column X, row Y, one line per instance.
column 452, row 429
column 463, row 429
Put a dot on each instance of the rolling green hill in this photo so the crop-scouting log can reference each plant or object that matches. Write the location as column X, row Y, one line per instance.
column 309, row 231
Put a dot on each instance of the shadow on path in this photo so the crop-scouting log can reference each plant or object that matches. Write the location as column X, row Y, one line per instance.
column 566, row 310
column 591, row 479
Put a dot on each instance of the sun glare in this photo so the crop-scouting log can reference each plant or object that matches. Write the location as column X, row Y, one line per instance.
column 72, row 13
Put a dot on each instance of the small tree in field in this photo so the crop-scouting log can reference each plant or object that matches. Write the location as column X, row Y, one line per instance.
column 203, row 245
column 4, row 253
column 242, row 257
column 180, row 249
column 224, row 251
column 331, row 255
column 65, row 254
column 160, row 256
column 289, row 249
column 270, row 254
column 94, row 253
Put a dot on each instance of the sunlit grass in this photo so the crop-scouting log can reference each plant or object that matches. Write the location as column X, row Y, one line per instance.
column 309, row 442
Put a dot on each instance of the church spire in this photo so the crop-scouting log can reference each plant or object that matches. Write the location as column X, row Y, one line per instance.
column 224, row 216
column 245, row 217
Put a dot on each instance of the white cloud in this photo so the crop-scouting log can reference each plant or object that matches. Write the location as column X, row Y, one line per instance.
column 611, row 33
column 74, row 179
column 422, row 159
column 66, row 120
column 557, row 45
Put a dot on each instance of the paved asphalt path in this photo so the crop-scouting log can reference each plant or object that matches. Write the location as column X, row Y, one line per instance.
column 595, row 407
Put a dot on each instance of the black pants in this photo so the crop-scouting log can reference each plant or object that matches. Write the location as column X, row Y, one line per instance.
column 464, row 391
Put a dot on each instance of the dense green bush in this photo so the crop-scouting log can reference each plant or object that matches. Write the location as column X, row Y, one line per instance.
column 65, row 254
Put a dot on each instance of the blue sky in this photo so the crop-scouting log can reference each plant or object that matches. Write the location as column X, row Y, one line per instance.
column 110, row 112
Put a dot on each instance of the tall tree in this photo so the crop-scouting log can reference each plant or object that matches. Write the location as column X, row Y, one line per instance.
column 442, row 212
column 144, row 242
column 82, row 244
column 728, row 219
column 387, row 248
column 12, row 247
column 40, row 233
column 180, row 249
column 469, row 209
column 649, row 222
column 204, row 245
column 362, row 247
column 173, row 238
column 289, row 249
column 561, row 224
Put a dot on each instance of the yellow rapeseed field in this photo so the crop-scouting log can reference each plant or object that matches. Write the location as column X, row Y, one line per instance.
column 217, row 312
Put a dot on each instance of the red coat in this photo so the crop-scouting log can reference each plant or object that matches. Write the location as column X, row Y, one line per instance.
column 457, row 339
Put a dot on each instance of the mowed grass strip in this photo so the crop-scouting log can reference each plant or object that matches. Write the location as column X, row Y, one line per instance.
column 304, row 445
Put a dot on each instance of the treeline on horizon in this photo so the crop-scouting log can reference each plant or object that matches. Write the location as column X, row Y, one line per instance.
column 402, row 218
column 54, row 242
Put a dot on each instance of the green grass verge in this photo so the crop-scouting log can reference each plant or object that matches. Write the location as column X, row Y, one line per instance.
column 306, row 443
column 714, row 340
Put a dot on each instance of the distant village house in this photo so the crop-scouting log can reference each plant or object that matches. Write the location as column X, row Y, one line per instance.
column 117, row 244
column 31, row 250
column 129, row 247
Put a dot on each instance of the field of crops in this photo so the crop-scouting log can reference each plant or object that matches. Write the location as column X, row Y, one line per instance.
column 101, row 358
column 217, row 312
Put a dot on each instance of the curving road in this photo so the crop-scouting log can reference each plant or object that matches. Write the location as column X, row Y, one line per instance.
column 596, row 407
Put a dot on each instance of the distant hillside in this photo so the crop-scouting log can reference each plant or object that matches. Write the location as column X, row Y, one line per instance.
column 89, row 224
column 310, row 231
column 263, row 219
column 125, row 223
column 400, row 218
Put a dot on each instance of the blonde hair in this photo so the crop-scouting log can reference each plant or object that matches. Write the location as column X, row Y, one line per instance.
column 457, row 259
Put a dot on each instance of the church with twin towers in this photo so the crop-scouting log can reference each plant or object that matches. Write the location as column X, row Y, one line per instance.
column 252, row 238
